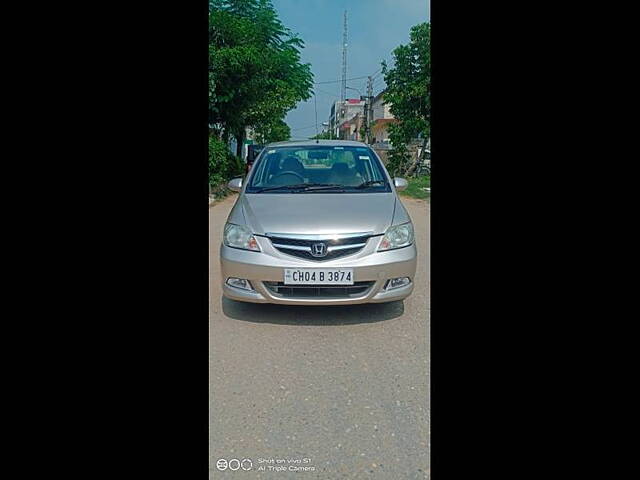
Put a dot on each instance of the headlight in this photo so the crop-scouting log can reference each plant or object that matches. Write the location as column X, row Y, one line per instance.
column 397, row 236
column 239, row 236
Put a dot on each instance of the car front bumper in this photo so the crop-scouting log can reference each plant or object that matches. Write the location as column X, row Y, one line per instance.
column 269, row 264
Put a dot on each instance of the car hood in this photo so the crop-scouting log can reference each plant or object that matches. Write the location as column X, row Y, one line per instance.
column 318, row 213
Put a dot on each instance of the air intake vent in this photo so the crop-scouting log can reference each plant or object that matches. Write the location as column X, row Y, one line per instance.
column 319, row 249
column 358, row 289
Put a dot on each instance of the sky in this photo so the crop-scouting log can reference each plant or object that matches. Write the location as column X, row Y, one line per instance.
column 375, row 28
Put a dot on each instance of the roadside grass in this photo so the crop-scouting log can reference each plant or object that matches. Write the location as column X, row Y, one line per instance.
column 416, row 187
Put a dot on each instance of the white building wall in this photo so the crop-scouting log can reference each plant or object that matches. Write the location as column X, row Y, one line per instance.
column 381, row 109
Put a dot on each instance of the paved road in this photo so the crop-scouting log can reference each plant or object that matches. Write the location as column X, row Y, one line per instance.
column 343, row 389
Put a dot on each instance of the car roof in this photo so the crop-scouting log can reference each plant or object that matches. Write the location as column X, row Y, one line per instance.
column 326, row 143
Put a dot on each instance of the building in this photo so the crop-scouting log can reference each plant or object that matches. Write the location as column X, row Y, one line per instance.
column 380, row 130
column 350, row 129
column 333, row 119
column 343, row 122
column 381, row 118
column 380, row 109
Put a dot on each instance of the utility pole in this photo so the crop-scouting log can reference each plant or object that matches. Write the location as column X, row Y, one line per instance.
column 368, row 109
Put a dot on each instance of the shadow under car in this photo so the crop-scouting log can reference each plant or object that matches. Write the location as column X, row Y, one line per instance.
column 312, row 315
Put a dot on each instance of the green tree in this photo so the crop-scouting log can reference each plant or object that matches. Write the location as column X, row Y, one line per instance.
column 278, row 131
column 255, row 74
column 409, row 93
column 322, row 136
column 222, row 165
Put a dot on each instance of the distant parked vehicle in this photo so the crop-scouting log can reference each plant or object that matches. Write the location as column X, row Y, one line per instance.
column 252, row 153
column 425, row 166
column 385, row 145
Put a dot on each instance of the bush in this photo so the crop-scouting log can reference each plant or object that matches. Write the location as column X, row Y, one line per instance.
column 397, row 160
column 223, row 166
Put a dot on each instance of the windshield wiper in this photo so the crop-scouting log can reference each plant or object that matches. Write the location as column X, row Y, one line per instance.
column 369, row 183
column 323, row 186
column 301, row 186
column 282, row 187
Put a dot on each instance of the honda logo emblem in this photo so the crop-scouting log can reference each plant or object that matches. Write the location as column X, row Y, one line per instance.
column 319, row 250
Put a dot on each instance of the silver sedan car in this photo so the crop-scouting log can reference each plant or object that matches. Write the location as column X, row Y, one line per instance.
column 318, row 223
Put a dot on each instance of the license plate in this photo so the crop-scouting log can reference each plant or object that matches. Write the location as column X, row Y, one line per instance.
column 318, row 276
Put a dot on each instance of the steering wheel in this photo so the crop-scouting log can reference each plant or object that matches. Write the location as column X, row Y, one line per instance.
column 289, row 172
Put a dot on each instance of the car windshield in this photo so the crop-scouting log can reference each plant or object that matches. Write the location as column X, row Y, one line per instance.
column 318, row 168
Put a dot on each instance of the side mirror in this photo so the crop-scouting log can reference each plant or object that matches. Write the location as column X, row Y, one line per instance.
column 235, row 184
column 400, row 183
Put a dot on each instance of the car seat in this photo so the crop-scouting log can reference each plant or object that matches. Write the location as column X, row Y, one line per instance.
column 342, row 174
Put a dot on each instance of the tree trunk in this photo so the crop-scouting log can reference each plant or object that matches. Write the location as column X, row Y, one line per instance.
column 413, row 165
column 240, row 139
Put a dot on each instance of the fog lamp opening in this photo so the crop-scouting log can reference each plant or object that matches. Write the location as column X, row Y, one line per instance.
column 397, row 283
column 241, row 283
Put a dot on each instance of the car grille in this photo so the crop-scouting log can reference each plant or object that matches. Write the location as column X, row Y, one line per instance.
column 336, row 248
column 318, row 291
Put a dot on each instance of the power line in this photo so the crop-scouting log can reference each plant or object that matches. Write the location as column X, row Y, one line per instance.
column 333, row 94
column 338, row 81
column 378, row 84
column 379, row 79
column 303, row 128
column 388, row 57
